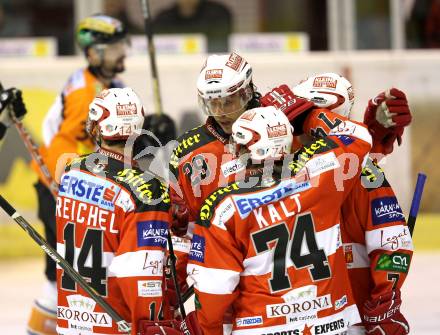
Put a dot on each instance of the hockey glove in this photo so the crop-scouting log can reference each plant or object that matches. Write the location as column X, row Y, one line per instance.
column 189, row 326
column 180, row 214
column 284, row 99
column 386, row 115
column 11, row 105
column 382, row 316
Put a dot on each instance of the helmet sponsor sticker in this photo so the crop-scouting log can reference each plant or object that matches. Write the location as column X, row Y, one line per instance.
column 213, row 74
column 324, row 81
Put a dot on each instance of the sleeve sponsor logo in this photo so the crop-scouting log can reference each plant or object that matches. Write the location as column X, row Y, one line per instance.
column 348, row 252
column 247, row 203
column 396, row 262
column 152, row 234
column 86, row 188
column 197, row 252
column 341, row 302
column 223, row 213
column 347, row 140
column 249, row 321
column 385, row 210
column 322, row 163
column 149, row 288
column 81, row 315
column 396, row 241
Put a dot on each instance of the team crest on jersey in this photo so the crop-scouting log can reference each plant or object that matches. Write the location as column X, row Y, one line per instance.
column 152, row 234
column 197, row 252
column 385, row 210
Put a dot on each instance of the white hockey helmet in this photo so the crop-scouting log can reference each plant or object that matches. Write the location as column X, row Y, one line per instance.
column 265, row 133
column 328, row 90
column 116, row 113
column 222, row 78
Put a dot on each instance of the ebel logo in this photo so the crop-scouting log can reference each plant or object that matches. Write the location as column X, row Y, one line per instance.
column 247, row 203
column 249, row 321
column 83, row 187
column 152, row 234
column 385, row 210
column 197, row 252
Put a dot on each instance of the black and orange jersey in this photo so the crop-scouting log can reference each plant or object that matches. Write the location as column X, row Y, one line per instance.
column 112, row 225
column 275, row 253
column 64, row 124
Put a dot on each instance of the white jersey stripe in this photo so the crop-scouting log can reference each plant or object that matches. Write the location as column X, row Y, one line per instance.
column 130, row 264
column 389, row 238
column 225, row 283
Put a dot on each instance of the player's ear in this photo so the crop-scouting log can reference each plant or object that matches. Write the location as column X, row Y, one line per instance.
column 93, row 56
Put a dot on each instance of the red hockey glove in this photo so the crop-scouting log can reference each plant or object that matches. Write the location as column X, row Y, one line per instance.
column 282, row 98
column 180, row 214
column 382, row 316
column 386, row 115
column 189, row 326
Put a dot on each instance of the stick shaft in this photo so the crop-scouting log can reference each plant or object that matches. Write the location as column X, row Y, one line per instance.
column 152, row 53
column 123, row 325
column 415, row 204
column 32, row 148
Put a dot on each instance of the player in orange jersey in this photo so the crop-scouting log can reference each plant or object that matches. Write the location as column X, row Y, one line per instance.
column 270, row 245
column 103, row 40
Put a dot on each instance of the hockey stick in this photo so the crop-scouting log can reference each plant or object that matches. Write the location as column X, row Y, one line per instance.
column 173, row 259
column 152, row 53
column 32, row 148
column 123, row 326
column 415, row 204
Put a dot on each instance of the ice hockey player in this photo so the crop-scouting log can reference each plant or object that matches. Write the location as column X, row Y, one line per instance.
column 201, row 162
column 103, row 40
column 11, row 105
column 273, row 249
column 371, row 214
column 112, row 222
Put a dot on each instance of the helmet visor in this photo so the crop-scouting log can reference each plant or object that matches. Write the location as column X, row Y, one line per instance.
column 230, row 104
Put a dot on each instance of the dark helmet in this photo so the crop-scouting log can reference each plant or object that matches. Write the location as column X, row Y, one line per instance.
column 99, row 29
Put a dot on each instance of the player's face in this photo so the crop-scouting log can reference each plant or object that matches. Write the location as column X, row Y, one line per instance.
column 226, row 110
column 113, row 57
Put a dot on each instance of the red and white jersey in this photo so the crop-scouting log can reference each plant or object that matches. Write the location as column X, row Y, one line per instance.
column 275, row 253
column 112, row 224
column 377, row 243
